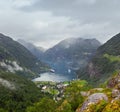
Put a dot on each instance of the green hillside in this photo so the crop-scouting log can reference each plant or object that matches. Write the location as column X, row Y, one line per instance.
column 79, row 96
column 105, row 62
column 16, row 93
column 16, row 58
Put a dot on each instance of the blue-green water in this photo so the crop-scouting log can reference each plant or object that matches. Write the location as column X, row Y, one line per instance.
column 54, row 77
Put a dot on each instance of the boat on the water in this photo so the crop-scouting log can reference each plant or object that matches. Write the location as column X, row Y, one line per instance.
column 52, row 70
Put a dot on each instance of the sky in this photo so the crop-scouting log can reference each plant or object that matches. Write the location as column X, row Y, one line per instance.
column 46, row 22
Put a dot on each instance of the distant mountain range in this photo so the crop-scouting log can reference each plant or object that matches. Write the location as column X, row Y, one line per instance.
column 72, row 48
column 71, row 54
column 36, row 51
column 67, row 56
column 16, row 58
column 91, row 60
column 104, row 63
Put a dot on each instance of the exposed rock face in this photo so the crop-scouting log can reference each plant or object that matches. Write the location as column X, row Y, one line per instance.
column 104, row 63
column 85, row 94
column 93, row 99
column 114, row 82
column 92, row 70
column 118, row 86
column 115, row 93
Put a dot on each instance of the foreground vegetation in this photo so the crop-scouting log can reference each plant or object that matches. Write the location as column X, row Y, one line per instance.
column 79, row 96
column 21, row 95
column 16, row 93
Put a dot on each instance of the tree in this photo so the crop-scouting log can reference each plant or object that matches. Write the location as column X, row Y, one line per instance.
column 45, row 105
column 65, row 107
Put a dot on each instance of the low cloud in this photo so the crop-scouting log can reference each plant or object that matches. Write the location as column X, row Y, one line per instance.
column 46, row 22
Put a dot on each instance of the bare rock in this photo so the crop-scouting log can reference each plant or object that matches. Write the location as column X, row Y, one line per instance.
column 93, row 99
column 85, row 94
column 98, row 89
column 115, row 93
column 118, row 86
column 92, row 70
column 113, row 82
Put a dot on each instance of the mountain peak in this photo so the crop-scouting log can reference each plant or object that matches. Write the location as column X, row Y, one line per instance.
column 77, row 41
column 71, row 53
column 2, row 36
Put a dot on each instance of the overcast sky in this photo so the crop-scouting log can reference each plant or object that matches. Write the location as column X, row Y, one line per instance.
column 46, row 22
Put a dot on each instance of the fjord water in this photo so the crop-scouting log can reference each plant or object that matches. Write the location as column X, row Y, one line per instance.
column 48, row 76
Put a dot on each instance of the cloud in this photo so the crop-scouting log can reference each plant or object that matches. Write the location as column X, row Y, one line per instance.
column 49, row 21
column 22, row 3
column 89, row 10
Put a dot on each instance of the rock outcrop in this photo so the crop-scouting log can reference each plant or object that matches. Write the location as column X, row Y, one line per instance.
column 93, row 100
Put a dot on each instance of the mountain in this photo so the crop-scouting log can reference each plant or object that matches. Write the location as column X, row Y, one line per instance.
column 17, row 66
column 36, row 51
column 71, row 54
column 16, row 93
column 105, row 62
column 16, row 58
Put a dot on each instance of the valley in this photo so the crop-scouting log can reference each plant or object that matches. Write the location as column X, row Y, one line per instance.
column 80, row 78
column 68, row 56
column 59, row 56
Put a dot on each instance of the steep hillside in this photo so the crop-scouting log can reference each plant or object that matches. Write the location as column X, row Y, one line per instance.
column 71, row 54
column 105, row 62
column 36, row 51
column 16, row 58
column 16, row 93
column 73, row 47
column 105, row 99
